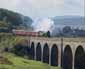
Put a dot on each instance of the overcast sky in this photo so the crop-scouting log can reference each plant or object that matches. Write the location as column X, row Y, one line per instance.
column 45, row 8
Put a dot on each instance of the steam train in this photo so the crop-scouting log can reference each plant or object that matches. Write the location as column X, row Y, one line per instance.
column 26, row 33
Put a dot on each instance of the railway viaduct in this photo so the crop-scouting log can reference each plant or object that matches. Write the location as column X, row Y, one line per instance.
column 68, row 53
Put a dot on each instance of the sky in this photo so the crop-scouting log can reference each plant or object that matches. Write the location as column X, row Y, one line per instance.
column 45, row 8
column 41, row 10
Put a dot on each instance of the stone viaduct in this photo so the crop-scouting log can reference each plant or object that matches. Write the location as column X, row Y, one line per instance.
column 68, row 53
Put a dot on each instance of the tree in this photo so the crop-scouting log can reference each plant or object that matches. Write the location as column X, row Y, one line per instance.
column 14, row 20
column 67, row 29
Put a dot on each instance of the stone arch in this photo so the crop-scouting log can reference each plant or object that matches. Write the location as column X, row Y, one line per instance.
column 67, row 58
column 79, row 59
column 32, row 50
column 38, row 52
column 54, row 55
column 46, row 53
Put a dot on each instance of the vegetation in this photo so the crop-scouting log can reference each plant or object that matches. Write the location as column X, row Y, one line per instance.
column 69, row 31
column 4, row 27
column 7, row 40
column 14, row 44
column 21, row 63
column 12, row 20
column 12, row 61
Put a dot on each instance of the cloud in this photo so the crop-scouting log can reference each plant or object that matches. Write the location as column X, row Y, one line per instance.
column 38, row 8
column 46, row 3
column 44, row 8
column 74, row 7
column 9, row 4
column 34, row 8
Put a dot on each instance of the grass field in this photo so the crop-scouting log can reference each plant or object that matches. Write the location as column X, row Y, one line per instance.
column 21, row 63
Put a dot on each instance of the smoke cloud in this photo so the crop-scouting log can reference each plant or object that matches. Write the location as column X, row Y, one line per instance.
column 43, row 24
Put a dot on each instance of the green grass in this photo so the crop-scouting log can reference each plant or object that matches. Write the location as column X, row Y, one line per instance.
column 21, row 63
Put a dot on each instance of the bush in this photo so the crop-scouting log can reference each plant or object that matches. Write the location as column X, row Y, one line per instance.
column 21, row 50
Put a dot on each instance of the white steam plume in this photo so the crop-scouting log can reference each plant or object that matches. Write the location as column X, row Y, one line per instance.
column 43, row 24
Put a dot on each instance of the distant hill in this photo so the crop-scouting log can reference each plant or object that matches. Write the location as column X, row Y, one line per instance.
column 75, row 21
column 14, row 19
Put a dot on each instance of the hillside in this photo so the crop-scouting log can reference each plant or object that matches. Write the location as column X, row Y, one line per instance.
column 14, row 19
column 15, row 62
